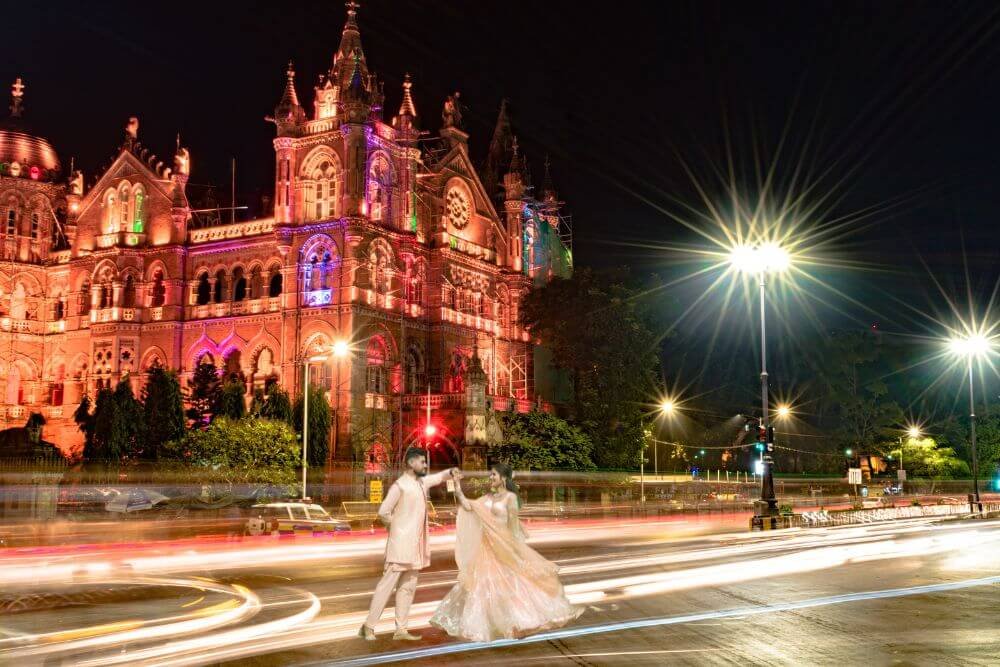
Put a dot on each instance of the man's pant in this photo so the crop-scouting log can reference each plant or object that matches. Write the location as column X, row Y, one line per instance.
column 405, row 583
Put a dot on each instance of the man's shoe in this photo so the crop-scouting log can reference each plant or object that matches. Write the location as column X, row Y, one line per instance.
column 367, row 633
column 406, row 635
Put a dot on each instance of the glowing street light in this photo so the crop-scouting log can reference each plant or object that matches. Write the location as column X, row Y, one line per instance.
column 340, row 348
column 971, row 347
column 784, row 411
column 913, row 432
column 667, row 407
column 759, row 260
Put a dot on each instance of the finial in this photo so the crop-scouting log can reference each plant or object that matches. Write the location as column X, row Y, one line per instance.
column 352, row 9
column 290, row 72
column 132, row 128
column 17, row 98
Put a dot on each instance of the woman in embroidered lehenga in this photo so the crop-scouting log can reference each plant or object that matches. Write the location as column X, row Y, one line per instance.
column 505, row 588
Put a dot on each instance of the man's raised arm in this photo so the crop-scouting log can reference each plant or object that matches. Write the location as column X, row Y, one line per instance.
column 435, row 479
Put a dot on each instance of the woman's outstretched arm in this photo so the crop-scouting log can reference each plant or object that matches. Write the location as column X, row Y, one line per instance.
column 460, row 496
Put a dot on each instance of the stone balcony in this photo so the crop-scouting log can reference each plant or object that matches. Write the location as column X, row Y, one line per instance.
column 130, row 239
column 234, row 231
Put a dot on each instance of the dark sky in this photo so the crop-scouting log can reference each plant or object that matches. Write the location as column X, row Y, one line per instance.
column 895, row 101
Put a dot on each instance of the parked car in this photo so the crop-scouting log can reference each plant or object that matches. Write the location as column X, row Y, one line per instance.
column 291, row 518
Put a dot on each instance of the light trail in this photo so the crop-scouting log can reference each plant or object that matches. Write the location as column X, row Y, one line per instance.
column 122, row 632
column 344, row 626
column 157, row 642
column 570, row 633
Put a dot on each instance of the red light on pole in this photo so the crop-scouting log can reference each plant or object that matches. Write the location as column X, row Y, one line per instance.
column 430, row 430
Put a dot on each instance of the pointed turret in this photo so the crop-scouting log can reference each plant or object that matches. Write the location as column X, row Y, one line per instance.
column 406, row 108
column 548, row 190
column 497, row 158
column 515, row 161
column 513, row 185
column 288, row 112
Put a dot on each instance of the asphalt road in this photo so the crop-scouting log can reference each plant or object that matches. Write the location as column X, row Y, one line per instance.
column 906, row 593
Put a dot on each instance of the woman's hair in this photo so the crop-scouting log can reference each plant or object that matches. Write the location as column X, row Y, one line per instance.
column 507, row 475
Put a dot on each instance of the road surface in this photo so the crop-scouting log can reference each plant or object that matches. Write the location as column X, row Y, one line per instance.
column 909, row 593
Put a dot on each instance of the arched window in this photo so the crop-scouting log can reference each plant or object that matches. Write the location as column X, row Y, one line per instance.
column 158, row 293
column 375, row 366
column 18, row 303
column 324, row 191
column 59, row 309
column 138, row 210
column 204, row 290
column 274, row 284
column 11, row 216
column 378, row 191
column 128, row 293
column 84, row 306
column 456, row 374
column 220, row 286
column 380, row 267
column 123, row 208
column 56, row 388
column 106, row 295
column 415, row 379
column 254, row 288
column 110, row 210
column 239, row 284
column 36, row 227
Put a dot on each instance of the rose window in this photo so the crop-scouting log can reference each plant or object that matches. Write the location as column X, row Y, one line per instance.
column 457, row 204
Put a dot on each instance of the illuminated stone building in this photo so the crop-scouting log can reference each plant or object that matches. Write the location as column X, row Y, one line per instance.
column 380, row 236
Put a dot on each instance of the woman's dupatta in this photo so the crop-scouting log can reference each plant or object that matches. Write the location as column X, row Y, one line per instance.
column 479, row 529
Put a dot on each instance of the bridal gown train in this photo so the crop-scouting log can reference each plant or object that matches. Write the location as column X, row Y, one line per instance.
column 505, row 588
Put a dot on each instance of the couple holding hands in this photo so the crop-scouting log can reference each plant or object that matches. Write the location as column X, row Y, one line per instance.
column 505, row 589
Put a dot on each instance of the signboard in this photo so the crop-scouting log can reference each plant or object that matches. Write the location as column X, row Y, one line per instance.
column 854, row 475
column 375, row 491
column 901, row 475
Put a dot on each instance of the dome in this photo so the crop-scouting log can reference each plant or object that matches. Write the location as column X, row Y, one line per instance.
column 27, row 152
column 22, row 154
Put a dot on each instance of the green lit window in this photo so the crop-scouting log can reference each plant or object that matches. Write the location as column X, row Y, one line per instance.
column 137, row 219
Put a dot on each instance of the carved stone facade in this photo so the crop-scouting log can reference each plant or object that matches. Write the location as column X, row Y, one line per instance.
column 397, row 249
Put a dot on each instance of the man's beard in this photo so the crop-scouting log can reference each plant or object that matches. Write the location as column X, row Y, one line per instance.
column 420, row 473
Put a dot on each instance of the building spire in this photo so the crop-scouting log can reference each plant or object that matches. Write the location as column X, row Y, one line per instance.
column 290, row 97
column 548, row 189
column 350, row 40
column 16, row 98
column 407, row 108
column 515, row 160
column 289, row 111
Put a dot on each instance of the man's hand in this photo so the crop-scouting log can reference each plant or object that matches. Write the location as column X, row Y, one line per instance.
column 456, row 474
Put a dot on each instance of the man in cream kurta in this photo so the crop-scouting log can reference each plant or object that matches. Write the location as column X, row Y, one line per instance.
column 407, row 550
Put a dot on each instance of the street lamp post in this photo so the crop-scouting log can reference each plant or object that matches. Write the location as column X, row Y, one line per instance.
column 305, row 421
column 977, row 505
column 340, row 350
column 972, row 347
column 759, row 260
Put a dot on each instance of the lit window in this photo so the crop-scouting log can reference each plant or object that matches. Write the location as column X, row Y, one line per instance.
column 138, row 222
column 35, row 226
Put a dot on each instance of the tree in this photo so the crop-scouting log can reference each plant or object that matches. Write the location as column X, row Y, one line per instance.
column 85, row 422
column 231, row 403
column 245, row 451
column 856, row 399
column 610, row 353
column 923, row 457
column 163, row 410
column 319, row 424
column 127, row 427
column 204, row 394
column 277, row 405
column 103, row 417
column 540, row 441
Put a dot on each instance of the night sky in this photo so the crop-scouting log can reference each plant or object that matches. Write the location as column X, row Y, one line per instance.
column 895, row 102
